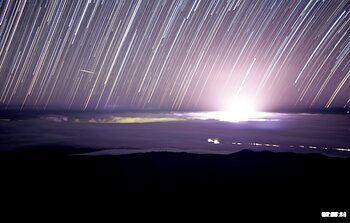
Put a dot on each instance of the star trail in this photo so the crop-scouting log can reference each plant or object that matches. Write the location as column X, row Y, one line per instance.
column 174, row 55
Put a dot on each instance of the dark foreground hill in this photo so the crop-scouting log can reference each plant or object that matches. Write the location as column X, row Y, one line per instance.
column 267, row 183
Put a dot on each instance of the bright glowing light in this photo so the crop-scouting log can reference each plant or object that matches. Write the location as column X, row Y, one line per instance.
column 214, row 140
column 236, row 111
column 240, row 110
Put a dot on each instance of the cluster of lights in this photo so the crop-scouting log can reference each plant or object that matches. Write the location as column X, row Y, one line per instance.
column 217, row 141
column 214, row 140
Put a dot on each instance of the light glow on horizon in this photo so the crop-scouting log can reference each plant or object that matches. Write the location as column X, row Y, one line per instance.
column 236, row 111
column 239, row 110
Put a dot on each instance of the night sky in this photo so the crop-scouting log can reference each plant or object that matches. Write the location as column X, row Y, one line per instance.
column 174, row 55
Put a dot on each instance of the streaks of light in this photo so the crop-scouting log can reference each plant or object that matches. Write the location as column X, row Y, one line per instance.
column 143, row 54
column 318, row 46
column 87, row 71
column 338, row 89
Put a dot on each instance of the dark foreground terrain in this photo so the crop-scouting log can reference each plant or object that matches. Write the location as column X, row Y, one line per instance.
column 246, row 183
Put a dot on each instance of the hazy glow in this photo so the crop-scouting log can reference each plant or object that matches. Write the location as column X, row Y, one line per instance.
column 239, row 110
column 127, row 120
column 237, row 115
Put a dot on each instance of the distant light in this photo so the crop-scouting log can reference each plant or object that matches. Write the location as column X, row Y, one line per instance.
column 312, row 147
column 343, row 149
column 214, row 140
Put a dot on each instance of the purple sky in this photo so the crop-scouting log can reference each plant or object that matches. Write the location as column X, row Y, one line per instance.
column 174, row 55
